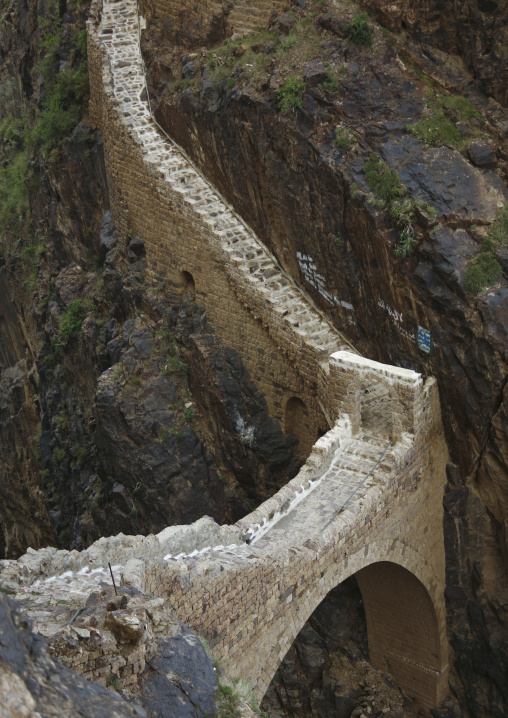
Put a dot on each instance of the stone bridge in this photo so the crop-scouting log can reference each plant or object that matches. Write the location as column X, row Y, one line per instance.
column 368, row 500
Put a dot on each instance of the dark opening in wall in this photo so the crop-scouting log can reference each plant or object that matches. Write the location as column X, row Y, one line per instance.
column 188, row 287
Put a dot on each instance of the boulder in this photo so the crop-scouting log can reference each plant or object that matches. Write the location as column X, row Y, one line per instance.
column 482, row 155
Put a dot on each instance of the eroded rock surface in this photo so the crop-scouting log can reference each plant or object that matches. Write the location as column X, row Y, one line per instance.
column 474, row 30
column 32, row 683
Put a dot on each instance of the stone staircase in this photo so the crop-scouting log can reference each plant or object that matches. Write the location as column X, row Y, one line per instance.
column 244, row 257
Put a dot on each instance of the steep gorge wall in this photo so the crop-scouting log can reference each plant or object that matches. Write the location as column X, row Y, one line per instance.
column 310, row 203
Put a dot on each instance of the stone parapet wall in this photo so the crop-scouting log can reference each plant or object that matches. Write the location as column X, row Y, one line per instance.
column 174, row 540
column 157, row 195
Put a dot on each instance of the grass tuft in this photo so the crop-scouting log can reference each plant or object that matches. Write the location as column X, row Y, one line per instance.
column 290, row 95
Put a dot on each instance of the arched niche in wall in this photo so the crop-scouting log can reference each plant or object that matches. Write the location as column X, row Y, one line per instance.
column 188, row 286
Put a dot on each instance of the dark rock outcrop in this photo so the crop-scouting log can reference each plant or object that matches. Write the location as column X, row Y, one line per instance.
column 179, row 680
column 32, row 683
column 474, row 29
column 24, row 519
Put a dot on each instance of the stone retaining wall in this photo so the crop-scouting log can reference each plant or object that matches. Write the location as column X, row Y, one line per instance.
column 241, row 17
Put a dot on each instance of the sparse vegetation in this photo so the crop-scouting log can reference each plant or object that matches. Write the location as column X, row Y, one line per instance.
column 58, row 455
column 71, row 321
column 360, row 31
column 332, row 83
column 80, row 454
column 392, row 196
column 114, row 682
column 118, row 371
column 231, row 691
column 482, row 272
column 498, row 231
column 344, row 139
column 174, row 365
column 189, row 414
column 290, row 95
column 63, row 92
column 438, row 128
column 13, row 193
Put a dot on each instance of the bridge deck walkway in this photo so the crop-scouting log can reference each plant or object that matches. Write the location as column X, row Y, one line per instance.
column 348, row 470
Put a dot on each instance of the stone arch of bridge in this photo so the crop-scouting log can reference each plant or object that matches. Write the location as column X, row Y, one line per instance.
column 406, row 627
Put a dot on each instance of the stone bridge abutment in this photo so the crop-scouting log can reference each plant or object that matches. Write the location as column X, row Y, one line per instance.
column 251, row 603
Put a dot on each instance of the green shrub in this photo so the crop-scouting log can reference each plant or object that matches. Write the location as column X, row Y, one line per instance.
column 498, row 230
column 483, row 271
column 189, row 414
column 437, row 129
column 62, row 109
column 82, row 43
column 58, row 455
column 118, row 371
column 13, row 193
column 405, row 247
column 174, row 365
column 290, row 95
column 70, row 322
column 383, row 182
column 331, row 84
column 427, row 208
column 391, row 195
column 343, row 138
column 360, row 31
column 288, row 43
column 459, row 105
column 80, row 454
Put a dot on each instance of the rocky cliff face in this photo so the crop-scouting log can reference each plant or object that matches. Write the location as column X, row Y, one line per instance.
column 477, row 31
column 285, row 124
column 33, row 683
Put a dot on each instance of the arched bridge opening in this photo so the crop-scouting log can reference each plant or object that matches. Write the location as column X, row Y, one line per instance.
column 326, row 660
column 403, row 630
column 397, row 617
